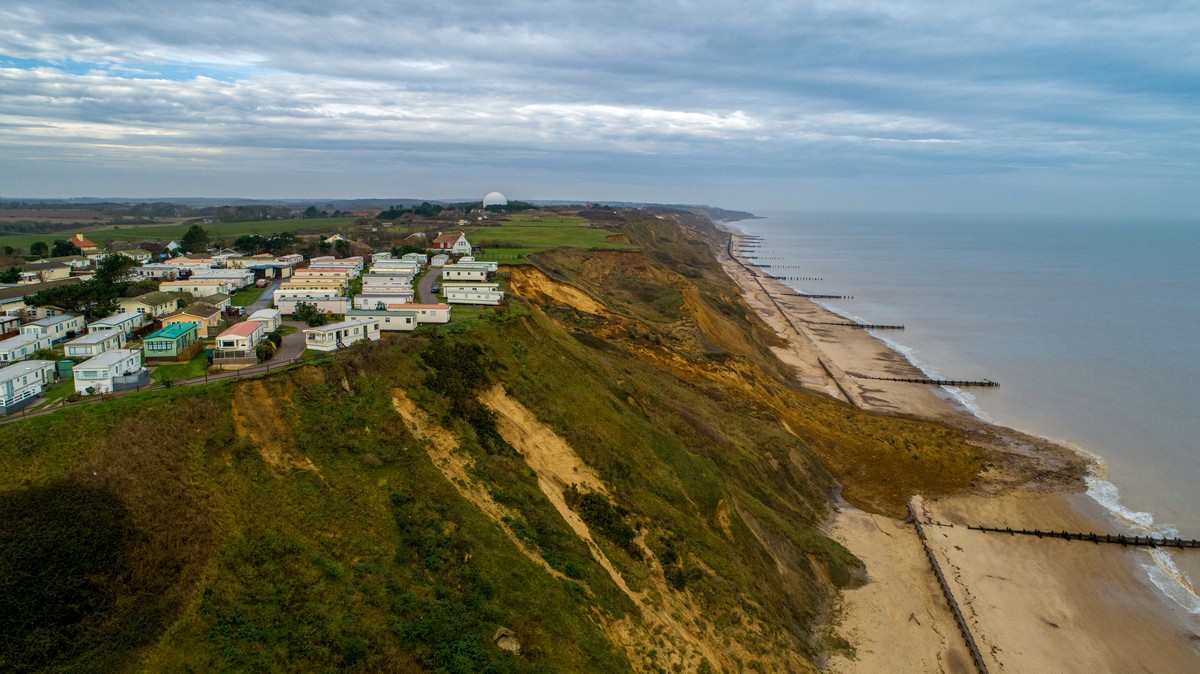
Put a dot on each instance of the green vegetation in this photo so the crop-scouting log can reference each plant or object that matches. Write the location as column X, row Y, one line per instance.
column 247, row 296
column 296, row 522
column 526, row 233
column 177, row 372
column 217, row 231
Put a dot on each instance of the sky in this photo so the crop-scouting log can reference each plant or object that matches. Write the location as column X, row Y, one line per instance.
column 1019, row 106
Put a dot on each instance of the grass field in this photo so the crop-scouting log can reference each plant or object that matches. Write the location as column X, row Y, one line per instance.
column 217, row 231
column 247, row 296
column 531, row 233
column 181, row 371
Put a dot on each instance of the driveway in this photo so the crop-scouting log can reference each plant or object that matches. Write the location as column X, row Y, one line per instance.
column 425, row 294
column 264, row 300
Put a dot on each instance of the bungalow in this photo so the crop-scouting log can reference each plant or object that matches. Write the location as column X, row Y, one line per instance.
column 340, row 335
column 221, row 301
column 237, row 278
column 126, row 324
column 21, row 383
column 419, row 258
column 389, row 320
column 473, row 293
column 381, row 300
column 454, row 243
column 197, row 288
column 177, row 341
column 460, row 272
column 114, row 370
column 270, row 318
column 426, row 313
column 41, row 272
column 440, row 260
column 94, row 344
column 203, row 315
column 138, row 254
column 490, row 265
column 12, row 298
column 329, row 261
column 156, row 272
column 192, row 263
column 154, row 304
column 85, row 246
column 302, row 283
column 329, row 304
column 344, row 273
column 21, row 347
column 376, row 258
column 55, row 328
column 408, row 267
column 242, row 337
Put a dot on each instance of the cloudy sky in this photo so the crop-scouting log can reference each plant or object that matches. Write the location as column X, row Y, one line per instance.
column 1038, row 106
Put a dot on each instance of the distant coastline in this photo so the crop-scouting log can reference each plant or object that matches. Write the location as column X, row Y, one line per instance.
column 1058, row 503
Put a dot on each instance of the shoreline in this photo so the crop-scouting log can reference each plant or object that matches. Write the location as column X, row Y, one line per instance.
column 1034, row 606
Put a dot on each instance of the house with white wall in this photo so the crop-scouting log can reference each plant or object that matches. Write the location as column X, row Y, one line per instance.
column 382, row 299
column 328, row 304
column 93, row 344
column 389, row 320
column 473, row 293
column 426, row 313
column 340, row 335
column 464, row 272
column 242, row 336
column 453, row 243
column 55, row 328
column 22, row 383
column 115, row 370
column 21, row 347
column 270, row 318
column 197, row 287
column 126, row 323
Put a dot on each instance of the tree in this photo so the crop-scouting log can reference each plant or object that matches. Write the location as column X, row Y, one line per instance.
column 44, row 354
column 310, row 314
column 342, row 247
column 115, row 270
column 64, row 248
column 10, row 275
column 195, row 239
column 39, row 249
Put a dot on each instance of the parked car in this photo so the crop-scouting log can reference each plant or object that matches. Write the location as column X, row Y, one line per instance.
column 435, row 287
column 262, row 283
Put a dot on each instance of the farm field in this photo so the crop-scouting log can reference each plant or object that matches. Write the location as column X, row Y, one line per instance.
column 217, row 231
column 525, row 234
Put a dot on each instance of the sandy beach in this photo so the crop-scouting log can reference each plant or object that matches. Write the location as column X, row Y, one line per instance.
column 1032, row 604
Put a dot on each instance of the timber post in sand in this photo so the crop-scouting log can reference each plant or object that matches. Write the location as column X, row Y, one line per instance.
column 972, row 646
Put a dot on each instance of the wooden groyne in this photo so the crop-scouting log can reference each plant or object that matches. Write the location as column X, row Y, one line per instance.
column 813, row 296
column 936, row 382
column 861, row 326
column 1114, row 539
column 963, row 627
column 789, row 278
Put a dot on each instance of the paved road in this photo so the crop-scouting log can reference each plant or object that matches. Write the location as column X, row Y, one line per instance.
column 264, row 300
column 425, row 294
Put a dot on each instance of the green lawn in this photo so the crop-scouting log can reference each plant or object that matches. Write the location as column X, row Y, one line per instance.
column 247, row 296
column 195, row 367
column 529, row 233
column 64, row 388
column 216, row 230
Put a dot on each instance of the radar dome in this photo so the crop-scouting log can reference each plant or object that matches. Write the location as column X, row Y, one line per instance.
column 494, row 199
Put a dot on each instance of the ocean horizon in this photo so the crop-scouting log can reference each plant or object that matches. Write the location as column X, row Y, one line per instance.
column 1087, row 323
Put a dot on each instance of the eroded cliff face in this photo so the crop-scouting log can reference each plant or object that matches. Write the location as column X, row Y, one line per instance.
column 612, row 472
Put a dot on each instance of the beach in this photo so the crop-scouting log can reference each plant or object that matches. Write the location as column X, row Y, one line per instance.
column 1031, row 604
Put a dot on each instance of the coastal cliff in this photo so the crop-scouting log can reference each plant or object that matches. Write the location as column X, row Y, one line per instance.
column 615, row 471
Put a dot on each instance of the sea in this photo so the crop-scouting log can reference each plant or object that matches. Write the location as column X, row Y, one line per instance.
column 1091, row 325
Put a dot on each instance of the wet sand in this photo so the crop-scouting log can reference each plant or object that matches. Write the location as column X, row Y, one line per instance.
column 1033, row 605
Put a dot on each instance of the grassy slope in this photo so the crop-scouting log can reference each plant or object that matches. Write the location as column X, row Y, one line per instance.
column 243, row 555
column 524, row 234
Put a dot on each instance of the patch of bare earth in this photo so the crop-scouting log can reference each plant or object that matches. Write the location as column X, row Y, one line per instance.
column 258, row 418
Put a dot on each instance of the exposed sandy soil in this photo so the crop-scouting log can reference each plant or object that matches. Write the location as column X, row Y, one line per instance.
column 257, row 417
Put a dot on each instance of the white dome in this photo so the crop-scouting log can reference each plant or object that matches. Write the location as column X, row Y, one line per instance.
column 494, row 199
